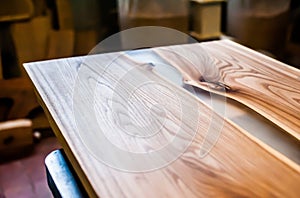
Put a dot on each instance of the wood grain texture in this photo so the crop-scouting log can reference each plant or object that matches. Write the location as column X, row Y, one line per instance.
column 265, row 85
column 239, row 165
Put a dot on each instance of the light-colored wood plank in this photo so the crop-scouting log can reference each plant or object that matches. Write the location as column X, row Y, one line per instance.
column 265, row 85
column 238, row 164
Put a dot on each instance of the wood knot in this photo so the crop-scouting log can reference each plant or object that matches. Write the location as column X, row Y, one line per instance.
column 216, row 85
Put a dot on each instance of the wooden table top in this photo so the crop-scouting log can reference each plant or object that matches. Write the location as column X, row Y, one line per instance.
column 131, row 130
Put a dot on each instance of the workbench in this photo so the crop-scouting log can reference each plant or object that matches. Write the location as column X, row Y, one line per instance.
column 155, row 122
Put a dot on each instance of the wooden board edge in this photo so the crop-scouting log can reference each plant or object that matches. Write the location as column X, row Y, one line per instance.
column 257, row 141
column 288, row 130
column 64, row 143
column 269, row 149
column 71, row 157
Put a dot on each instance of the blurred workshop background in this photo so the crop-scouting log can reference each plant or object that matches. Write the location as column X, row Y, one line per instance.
column 34, row 30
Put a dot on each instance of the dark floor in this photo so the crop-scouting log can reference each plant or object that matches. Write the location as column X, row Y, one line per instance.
column 26, row 177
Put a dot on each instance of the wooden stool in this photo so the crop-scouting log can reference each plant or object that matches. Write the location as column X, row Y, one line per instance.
column 16, row 139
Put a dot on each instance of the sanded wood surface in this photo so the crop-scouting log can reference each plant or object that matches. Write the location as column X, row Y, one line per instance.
column 239, row 165
column 265, row 85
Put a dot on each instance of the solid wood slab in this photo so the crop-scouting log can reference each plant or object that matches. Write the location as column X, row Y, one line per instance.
column 238, row 165
column 265, row 85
